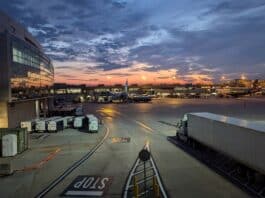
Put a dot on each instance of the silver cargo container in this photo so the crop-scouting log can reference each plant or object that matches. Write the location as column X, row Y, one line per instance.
column 92, row 122
column 29, row 125
column 55, row 125
column 242, row 140
column 39, row 125
column 42, row 124
column 78, row 122
column 68, row 121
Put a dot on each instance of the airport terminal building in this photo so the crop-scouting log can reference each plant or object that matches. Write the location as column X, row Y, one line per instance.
column 26, row 75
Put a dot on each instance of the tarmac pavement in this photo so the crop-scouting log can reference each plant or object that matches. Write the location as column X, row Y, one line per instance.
column 182, row 175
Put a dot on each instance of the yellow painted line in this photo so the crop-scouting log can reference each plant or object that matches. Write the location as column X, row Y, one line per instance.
column 109, row 111
column 112, row 112
column 144, row 126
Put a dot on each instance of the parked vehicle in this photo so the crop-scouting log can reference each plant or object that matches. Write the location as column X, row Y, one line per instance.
column 240, row 140
column 140, row 98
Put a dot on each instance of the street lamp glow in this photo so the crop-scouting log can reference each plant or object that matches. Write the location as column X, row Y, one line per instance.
column 243, row 77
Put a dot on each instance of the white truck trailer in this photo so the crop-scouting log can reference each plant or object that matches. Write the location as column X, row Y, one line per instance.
column 241, row 140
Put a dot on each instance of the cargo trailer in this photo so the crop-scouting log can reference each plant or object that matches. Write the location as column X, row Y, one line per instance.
column 41, row 125
column 22, row 137
column 9, row 145
column 68, row 121
column 91, row 123
column 78, row 122
column 240, row 140
column 232, row 146
column 56, row 125
column 29, row 125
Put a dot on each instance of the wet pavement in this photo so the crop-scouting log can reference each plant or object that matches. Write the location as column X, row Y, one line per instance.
column 182, row 175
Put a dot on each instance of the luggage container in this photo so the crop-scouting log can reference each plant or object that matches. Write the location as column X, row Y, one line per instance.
column 65, row 122
column 41, row 125
column 22, row 137
column 90, row 116
column 78, row 122
column 29, row 125
column 9, row 145
column 56, row 125
column 91, row 123
column 68, row 121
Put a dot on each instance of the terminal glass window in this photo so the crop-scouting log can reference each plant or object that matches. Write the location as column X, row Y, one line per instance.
column 32, row 72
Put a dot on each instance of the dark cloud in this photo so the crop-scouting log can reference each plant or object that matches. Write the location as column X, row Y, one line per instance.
column 164, row 77
column 66, row 75
column 82, row 80
column 202, row 37
column 107, row 66
column 120, row 74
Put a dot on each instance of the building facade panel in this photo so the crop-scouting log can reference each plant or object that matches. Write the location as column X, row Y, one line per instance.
column 4, row 68
column 26, row 74
column 31, row 72
column 16, row 112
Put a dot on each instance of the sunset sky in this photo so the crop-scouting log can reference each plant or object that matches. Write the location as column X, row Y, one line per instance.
column 147, row 41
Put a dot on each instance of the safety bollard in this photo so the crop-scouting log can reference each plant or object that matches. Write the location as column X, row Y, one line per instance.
column 136, row 187
column 156, row 188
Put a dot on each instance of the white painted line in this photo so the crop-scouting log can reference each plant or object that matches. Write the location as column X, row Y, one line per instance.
column 158, row 179
column 130, row 178
column 72, row 167
column 84, row 193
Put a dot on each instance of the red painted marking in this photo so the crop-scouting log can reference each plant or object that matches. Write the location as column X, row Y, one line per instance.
column 42, row 162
